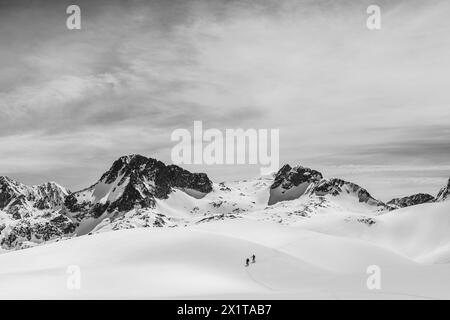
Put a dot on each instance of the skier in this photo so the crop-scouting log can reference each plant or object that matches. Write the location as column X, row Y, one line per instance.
column 247, row 262
column 253, row 258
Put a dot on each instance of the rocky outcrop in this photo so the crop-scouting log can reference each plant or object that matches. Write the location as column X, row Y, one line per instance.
column 291, row 183
column 444, row 193
column 288, row 177
column 336, row 187
column 44, row 227
column 12, row 193
column 408, row 201
column 49, row 195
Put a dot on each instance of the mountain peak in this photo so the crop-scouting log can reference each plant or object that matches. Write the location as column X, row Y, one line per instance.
column 5, row 179
column 126, row 165
column 15, row 196
column 444, row 192
column 132, row 157
column 292, row 182
column 289, row 176
column 135, row 180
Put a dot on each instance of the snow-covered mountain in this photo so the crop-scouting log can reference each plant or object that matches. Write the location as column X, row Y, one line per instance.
column 31, row 214
column 319, row 233
column 136, row 181
column 17, row 198
column 143, row 192
column 129, row 189
column 300, row 182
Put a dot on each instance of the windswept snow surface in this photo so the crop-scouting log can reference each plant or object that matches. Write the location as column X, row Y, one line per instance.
column 324, row 257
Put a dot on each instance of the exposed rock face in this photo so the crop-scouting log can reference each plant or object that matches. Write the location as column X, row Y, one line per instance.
column 50, row 195
column 444, row 192
column 290, row 183
column 183, row 179
column 289, row 177
column 135, row 181
column 9, row 190
column 25, row 232
column 337, row 187
column 413, row 200
column 18, row 199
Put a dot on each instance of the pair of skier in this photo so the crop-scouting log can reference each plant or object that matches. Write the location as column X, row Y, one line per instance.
column 247, row 261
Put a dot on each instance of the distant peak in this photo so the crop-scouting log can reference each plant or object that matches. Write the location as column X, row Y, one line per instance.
column 444, row 193
column 411, row 200
column 52, row 184
column 8, row 180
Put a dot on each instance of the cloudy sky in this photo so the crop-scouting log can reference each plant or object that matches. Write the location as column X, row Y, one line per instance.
column 372, row 107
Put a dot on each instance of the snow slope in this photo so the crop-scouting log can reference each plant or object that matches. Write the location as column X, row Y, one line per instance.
column 323, row 258
column 419, row 232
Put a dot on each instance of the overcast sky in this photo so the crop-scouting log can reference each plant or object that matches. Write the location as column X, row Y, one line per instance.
column 372, row 107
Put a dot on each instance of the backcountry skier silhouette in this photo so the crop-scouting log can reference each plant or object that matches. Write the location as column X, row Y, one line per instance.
column 247, row 262
column 253, row 258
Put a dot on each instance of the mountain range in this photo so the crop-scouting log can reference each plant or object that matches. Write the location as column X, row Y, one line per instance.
column 143, row 192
